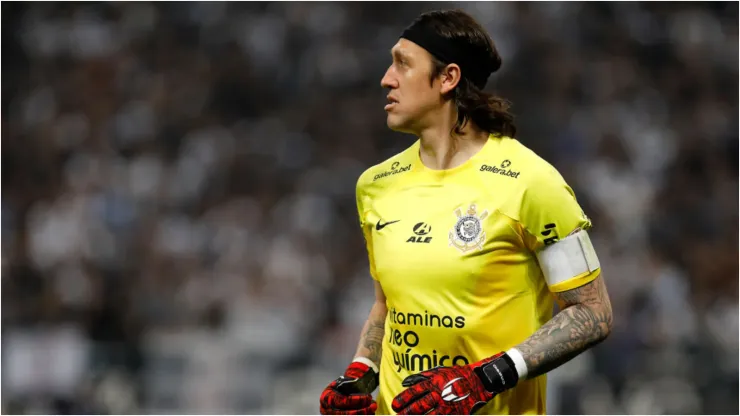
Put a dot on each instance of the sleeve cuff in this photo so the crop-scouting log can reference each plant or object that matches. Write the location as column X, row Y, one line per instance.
column 575, row 282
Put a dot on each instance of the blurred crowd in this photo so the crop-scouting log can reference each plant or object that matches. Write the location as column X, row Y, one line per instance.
column 179, row 231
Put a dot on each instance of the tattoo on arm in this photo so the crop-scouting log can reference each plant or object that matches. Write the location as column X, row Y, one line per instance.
column 585, row 320
column 371, row 341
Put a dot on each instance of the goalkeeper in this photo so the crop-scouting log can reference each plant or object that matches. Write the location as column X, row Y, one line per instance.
column 470, row 236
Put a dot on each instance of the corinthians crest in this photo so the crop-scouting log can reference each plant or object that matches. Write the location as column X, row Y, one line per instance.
column 468, row 234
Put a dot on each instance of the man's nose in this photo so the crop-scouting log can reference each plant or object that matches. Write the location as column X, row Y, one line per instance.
column 388, row 80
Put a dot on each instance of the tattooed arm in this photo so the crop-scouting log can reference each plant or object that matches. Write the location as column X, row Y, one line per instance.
column 371, row 339
column 351, row 393
column 584, row 320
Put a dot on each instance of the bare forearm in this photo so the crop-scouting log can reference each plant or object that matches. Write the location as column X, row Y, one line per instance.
column 585, row 321
column 371, row 339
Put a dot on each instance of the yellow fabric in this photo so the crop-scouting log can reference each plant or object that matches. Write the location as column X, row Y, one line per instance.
column 458, row 265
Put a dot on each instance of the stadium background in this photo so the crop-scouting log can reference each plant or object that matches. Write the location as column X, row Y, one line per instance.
column 179, row 232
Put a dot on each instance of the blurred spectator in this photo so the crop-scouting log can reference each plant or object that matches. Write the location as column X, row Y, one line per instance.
column 178, row 222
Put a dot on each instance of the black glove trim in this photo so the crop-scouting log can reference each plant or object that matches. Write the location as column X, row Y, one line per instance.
column 363, row 385
column 498, row 375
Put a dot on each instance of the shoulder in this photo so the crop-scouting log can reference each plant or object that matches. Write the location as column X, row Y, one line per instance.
column 523, row 179
column 537, row 198
column 515, row 166
column 384, row 175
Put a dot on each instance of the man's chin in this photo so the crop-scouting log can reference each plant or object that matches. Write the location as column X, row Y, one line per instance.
column 395, row 124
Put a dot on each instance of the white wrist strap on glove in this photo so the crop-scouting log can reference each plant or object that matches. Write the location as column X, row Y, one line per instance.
column 368, row 362
column 519, row 363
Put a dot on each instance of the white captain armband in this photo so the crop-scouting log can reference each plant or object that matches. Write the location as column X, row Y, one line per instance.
column 568, row 258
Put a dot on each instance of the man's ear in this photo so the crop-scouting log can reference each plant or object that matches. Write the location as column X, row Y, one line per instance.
column 449, row 78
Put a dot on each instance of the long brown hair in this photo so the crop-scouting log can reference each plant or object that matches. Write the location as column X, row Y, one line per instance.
column 487, row 111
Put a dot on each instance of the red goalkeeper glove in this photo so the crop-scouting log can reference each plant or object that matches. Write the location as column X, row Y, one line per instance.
column 459, row 390
column 351, row 393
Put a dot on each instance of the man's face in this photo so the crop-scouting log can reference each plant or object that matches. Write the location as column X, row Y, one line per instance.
column 411, row 96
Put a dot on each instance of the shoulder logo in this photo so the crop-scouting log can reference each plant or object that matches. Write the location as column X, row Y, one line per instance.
column 502, row 170
column 550, row 229
column 467, row 234
column 396, row 168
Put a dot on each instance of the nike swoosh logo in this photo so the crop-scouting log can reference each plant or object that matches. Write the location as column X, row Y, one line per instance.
column 380, row 226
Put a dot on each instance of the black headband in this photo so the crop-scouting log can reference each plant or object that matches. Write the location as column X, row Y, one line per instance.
column 474, row 65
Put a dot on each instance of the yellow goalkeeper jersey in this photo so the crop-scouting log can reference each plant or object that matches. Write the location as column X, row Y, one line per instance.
column 454, row 251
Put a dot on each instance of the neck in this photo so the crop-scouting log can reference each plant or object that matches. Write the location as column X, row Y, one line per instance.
column 442, row 148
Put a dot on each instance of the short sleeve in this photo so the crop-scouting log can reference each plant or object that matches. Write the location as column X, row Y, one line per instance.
column 366, row 229
column 549, row 213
